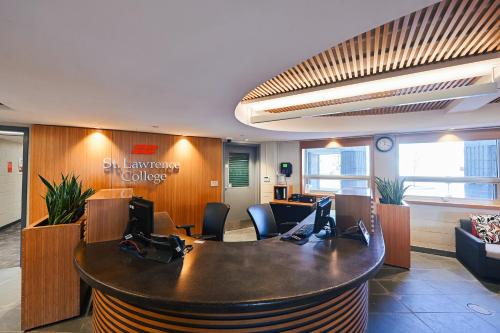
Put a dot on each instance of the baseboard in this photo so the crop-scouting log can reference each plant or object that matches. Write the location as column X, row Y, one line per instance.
column 442, row 253
column 9, row 224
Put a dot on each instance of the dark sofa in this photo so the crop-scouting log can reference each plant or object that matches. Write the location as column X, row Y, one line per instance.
column 471, row 252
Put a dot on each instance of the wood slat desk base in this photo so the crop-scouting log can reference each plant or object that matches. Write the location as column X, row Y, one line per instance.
column 347, row 312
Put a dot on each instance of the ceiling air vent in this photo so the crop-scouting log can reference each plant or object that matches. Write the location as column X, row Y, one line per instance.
column 4, row 107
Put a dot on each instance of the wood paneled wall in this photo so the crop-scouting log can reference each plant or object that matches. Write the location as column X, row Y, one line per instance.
column 50, row 283
column 55, row 150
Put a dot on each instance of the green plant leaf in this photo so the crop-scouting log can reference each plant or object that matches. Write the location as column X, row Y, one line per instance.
column 65, row 201
column 391, row 191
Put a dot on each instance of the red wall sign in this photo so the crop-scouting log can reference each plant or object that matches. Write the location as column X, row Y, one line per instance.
column 9, row 167
column 143, row 149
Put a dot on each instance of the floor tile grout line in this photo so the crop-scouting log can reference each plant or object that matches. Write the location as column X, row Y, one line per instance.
column 481, row 317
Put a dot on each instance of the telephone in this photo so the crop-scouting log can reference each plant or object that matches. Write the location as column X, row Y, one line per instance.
column 159, row 248
column 172, row 242
column 358, row 232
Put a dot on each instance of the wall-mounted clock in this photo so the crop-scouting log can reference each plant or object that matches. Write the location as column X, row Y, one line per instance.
column 384, row 144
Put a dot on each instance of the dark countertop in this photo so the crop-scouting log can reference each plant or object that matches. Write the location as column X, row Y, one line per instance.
column 231, row 276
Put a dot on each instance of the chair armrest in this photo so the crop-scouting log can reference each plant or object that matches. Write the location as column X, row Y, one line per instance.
column 470, row 238
column 187, row 228
column 470, row 250
column 270, row 235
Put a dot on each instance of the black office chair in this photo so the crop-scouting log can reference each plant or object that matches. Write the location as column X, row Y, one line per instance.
column 213, row 222
column 263, row 220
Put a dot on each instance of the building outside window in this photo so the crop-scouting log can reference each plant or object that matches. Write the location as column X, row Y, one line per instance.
column 328, row 170
column 455, row 169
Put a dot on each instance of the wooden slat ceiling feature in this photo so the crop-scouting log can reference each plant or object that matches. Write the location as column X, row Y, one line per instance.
column 449, row 29
column 388, row 110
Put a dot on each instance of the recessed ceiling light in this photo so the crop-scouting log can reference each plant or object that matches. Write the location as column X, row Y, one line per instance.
column 12, row 133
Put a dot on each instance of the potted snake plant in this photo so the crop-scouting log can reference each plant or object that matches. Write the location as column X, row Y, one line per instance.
column 65, row 201
column 47, row 255
column 394, row 216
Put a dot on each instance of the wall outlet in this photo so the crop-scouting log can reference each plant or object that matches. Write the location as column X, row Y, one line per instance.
column 214, row 183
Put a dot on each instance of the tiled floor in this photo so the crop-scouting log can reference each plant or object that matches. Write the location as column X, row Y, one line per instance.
column 10, row 246
column 437, row 295
column 237, row 225
column 241, row 235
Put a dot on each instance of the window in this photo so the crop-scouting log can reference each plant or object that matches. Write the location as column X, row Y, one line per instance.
column 456, row 169
column 332, row 169
column 238, row 170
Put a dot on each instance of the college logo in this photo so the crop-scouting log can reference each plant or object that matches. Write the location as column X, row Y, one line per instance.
column 140, row 171
column 144, row 149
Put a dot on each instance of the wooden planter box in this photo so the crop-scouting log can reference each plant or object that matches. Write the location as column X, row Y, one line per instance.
column 395, row 223
column 50, row 289
column 107, row 214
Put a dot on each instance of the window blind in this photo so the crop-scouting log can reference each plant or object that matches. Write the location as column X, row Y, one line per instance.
column 238, row 169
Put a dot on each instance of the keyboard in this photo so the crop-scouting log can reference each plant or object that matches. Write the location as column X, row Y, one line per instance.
column 299, row 236
column 304, row 231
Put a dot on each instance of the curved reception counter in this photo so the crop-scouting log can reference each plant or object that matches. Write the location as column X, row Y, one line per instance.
column 261, row 286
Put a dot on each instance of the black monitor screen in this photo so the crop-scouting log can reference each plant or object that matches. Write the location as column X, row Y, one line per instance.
column 141, row 216
column 322, row 214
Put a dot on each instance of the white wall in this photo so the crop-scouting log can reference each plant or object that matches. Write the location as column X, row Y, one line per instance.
column 271, row 155
column 385, row 164
column 431, row 226
column 268, row 170
column 290, row 152
column 10, row 183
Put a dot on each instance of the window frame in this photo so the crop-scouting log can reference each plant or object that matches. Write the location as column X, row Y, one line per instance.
column 336, row 143
column 434, row 137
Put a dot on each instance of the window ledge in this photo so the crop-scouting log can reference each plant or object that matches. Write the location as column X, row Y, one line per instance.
column 437, row 202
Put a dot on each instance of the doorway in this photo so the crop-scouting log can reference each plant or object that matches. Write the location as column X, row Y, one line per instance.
column 13, row 192
column 241, row 183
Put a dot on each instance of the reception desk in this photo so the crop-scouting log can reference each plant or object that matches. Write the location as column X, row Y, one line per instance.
column 259, row 286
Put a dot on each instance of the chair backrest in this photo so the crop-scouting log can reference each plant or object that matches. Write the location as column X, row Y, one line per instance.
column 215, row 219
column 466, row 224
column 263, row 220
column 163, row 224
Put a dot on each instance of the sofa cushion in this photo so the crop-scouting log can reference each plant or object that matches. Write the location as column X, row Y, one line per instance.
column 487, row 227
column 473, row 228
column 493, row 251
column 466, row 224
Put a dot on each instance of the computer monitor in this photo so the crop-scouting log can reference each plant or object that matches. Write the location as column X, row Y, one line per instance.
column 141, row 217
column 322, row 214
